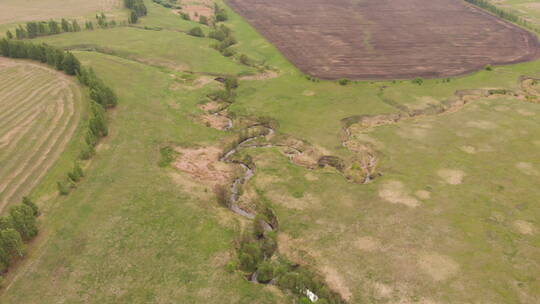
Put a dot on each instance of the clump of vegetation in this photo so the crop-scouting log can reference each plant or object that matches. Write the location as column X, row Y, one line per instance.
column 332, row 161
column 17, row 227
column 138, row 9
column 167, row 3
column 222, row 196
column 196, row 32
column 344, row 81
column 488, row 67
column 418, row 81
column 167, row 156
column 203, row 20
column 313, row 79
column 220, row 14
column 185, row 16
column 76, row 174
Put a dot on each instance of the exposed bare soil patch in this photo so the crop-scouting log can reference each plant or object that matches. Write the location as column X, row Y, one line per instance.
column 437, row 266
column 423, row 194
column 337, row 282
column 527, row 168
column 524, row 227
column 396, row 193
column 203, row 164
column 451, row 176
column 383, row 39
column 196, row 10
column 261, row 76
column 367, row 243
column 468, row 149
column 215, row 121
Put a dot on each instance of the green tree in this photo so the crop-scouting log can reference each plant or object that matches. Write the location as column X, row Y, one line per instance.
column 20, row 33
column 75, row 26
column 133, row 18
column 89, row 25
column 12, row 243
column 53, row 27
column 231, row 83
column 32, row 29
column 65, row 25
column 24, row 221
column 70, row 64
column 9, row 35
column 76, row 174
column 28, row 202
column 63, row 188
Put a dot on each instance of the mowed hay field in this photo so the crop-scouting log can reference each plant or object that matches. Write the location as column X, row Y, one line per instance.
column 451, row 216
column 37, row 10
column 385, row 39
column 40, row 110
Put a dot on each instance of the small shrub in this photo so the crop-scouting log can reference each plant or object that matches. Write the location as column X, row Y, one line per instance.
column 63, row 188
column 344, row 82
column 418, row 81
column 227, row 52
column 488, row 67
column 196, row 32
column 76, row 174
column 245, row 60
column 185, row 16
column 231, row 266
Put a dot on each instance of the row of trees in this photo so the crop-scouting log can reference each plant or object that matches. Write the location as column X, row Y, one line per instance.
column 17, row 227
column 167, row 3
column 57, row 58
column 503, row 14
column 45, row 28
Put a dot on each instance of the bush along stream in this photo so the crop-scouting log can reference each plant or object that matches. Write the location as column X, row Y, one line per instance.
column 257, row 256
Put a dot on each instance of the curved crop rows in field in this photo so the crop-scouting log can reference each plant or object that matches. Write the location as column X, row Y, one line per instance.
column 39, row 112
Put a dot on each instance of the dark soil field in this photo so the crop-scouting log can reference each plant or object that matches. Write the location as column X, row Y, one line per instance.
column 386, row 39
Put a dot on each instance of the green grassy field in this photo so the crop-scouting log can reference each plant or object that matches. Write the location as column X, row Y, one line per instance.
column 453, row 218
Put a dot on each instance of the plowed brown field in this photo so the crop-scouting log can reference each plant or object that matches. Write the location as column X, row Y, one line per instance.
column 387, row 39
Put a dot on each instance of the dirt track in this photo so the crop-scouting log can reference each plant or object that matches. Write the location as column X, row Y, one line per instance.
column 387, row 39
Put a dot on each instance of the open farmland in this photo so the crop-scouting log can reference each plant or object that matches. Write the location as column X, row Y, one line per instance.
column 32, row 10
column 387, row 39
column 39, row 112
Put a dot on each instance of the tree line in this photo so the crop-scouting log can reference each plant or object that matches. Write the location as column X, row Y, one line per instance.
column 18, row 226
column 503, row 14
column 35, row 29
column 102, row 97
column 167, row 3
column 138, row 9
